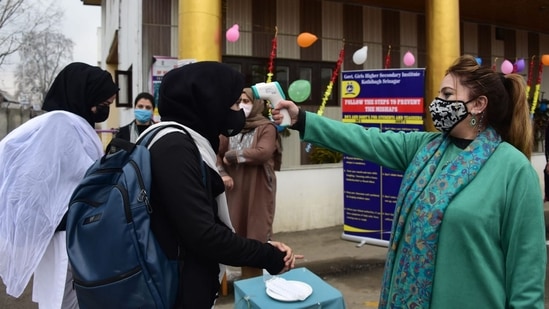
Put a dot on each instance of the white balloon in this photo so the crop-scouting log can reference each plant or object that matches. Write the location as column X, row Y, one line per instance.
column 359, row 57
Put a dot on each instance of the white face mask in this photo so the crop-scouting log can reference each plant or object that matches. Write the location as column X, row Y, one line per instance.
column 247, row 108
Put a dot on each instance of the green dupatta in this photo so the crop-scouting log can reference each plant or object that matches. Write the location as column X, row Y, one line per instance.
column 408, row 277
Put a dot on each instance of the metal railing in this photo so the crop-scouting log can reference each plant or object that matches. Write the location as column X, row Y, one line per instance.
column 14, row 115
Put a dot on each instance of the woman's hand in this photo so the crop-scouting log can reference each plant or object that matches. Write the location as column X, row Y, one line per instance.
column 228, row 182
column 289, row 259
column 293, row 111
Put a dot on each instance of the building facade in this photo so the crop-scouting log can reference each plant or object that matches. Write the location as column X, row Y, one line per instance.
column 137, row 34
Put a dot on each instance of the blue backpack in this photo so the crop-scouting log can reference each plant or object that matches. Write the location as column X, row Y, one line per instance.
column 116, row 260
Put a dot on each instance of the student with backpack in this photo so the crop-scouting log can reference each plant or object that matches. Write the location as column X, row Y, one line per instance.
column 190, row 219
column 186, row 209
column 41, row 162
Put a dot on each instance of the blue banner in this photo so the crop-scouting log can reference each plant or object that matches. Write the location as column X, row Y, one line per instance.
column 391, row 99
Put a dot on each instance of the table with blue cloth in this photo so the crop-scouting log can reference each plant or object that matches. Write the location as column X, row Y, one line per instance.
column 250, row 293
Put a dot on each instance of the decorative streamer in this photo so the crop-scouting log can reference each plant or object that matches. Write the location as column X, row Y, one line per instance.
column 530, row 76
column 536, row 90
column 328, row 91
column 388, row 58
column 270, row 74
column 272, row 56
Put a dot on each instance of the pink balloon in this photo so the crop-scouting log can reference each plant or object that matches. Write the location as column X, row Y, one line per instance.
column 506, row 67
column 519, row 65
column 409, row 59
column 232, row 34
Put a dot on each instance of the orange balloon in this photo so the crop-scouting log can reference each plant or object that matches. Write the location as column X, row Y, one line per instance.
column 306, row 39
column 545, row 59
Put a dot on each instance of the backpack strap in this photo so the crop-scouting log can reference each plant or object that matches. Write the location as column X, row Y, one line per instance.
column 148, row 139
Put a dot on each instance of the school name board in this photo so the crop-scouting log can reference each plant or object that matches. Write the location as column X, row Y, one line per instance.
column 389, row 100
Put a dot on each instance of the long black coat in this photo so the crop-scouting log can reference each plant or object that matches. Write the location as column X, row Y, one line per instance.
column 185, row 212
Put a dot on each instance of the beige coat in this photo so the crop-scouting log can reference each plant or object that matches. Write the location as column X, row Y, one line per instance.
column 251, row 165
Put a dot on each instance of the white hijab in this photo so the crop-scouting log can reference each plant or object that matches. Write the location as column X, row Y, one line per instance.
column 41, row 162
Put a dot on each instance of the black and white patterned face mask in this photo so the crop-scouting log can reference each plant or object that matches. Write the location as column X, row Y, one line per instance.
column 447, row 114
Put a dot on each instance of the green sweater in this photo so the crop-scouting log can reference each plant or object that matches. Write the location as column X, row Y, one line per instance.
column 491, row 251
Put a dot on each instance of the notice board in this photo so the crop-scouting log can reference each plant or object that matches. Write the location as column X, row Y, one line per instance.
column 389, row 99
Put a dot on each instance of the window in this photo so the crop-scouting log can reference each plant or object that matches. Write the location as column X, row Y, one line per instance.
column 123, row 80
column 287, row 71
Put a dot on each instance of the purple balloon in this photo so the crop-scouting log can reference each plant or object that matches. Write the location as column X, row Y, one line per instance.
column 519, row 65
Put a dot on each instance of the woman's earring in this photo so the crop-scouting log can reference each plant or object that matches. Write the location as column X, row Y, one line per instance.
column 473, row 121
column 480, row 122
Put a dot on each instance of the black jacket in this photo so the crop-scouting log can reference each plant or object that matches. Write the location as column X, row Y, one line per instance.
column 124, row 132
column 185, row 213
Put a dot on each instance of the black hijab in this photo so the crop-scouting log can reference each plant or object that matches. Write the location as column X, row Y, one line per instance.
column 200, row 95
column 79, row 87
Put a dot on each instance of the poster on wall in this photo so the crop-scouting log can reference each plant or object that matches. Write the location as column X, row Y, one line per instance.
column 160, row 66
column 389, row 99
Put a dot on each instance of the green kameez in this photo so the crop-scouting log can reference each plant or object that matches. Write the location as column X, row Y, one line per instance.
column 491, row 251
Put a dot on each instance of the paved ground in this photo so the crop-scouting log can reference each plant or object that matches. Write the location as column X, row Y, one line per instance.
column 355, row 271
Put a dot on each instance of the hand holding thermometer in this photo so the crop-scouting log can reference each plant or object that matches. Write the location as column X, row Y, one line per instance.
column 274, row 94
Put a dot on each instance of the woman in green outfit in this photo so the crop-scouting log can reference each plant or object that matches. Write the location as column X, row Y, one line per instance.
column 468, row 229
